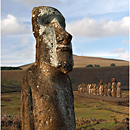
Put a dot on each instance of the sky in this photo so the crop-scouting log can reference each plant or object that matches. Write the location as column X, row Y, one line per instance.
column 100, row 28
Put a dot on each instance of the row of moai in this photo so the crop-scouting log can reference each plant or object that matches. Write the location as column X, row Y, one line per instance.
column 111, row 89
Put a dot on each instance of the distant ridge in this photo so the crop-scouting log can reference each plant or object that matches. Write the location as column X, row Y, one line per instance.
column 83, row 61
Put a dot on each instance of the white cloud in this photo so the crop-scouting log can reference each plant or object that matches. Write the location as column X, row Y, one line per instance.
column 35, row 3
column 118, row 50
column 125, row 41
column 124, row 56
column 11, row 26
column 104, row 28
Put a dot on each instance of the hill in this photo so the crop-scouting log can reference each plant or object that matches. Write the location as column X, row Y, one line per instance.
column 82, row 61
column 11, row 79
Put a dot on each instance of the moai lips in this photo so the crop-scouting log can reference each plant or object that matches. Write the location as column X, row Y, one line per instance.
column 47, row 101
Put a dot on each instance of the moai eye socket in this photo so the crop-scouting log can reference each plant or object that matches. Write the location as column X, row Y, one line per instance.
column 48, row 19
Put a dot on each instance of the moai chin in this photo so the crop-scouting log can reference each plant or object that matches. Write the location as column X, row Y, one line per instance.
column 47, row 97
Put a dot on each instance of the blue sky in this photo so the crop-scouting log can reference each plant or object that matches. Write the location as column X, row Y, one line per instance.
column 100, row 28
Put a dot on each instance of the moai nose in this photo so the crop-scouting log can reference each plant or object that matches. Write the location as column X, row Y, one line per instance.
column 63, row 37
column 68, row 37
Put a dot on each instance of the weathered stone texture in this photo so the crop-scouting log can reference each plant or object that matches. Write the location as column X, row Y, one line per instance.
column 46, row 95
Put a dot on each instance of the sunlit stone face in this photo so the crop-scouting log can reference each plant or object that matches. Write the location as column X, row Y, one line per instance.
column 53, row 42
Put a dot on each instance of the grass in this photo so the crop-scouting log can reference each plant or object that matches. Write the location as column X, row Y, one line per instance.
column 11, row 82
column 10, row 103
column 85, row 108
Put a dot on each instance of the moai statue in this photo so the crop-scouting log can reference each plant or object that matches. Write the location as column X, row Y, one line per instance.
column 80, row 88
column 90, row 88
column 85, row 89
column 98, row 86
column 46, row 95
column 105, row 90
column 118, row 93
column 109, row 90
column 101, row 90
column 97, row 90
column 94, row 89
column 113, row 92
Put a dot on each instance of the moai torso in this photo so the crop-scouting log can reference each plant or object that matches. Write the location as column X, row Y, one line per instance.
column 47, row 97
column 109, row 90
column 118, row 93
column 113, row 92
column 105, row 90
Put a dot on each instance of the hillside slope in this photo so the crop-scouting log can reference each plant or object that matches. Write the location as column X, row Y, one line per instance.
column 82, row 61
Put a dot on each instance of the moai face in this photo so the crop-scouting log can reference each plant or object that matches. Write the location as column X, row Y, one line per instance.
column 53, row 42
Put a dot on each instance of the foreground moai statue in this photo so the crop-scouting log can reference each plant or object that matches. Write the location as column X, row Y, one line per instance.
column 47, row 97
column 118, row 93
column 109, row 90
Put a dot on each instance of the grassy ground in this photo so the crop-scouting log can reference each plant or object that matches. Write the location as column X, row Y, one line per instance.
column 84, row 108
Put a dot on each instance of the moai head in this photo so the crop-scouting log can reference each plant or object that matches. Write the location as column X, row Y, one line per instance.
column 101, row 82
column 113, row 80
column 118, row 84
column 53, row 45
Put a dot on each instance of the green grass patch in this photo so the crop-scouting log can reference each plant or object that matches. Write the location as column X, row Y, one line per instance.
column 10, row 103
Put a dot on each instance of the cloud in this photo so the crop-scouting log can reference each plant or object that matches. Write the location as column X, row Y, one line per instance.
column 118, row 50
column 104, row 28
column 34, row 3
column 124, row 56
column 125, row 41
column 11, row 26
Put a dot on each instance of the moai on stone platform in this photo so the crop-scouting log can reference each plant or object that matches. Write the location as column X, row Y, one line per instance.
column 83, row 87
column 118, row 93
column 113, row 91
column 105, row 90
column 97, row 90
column 101, row 90
column 98, row 86
column 94, row 89
column 47, row 101
column 80, row 88
column 90, row 88
column 109, row 90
